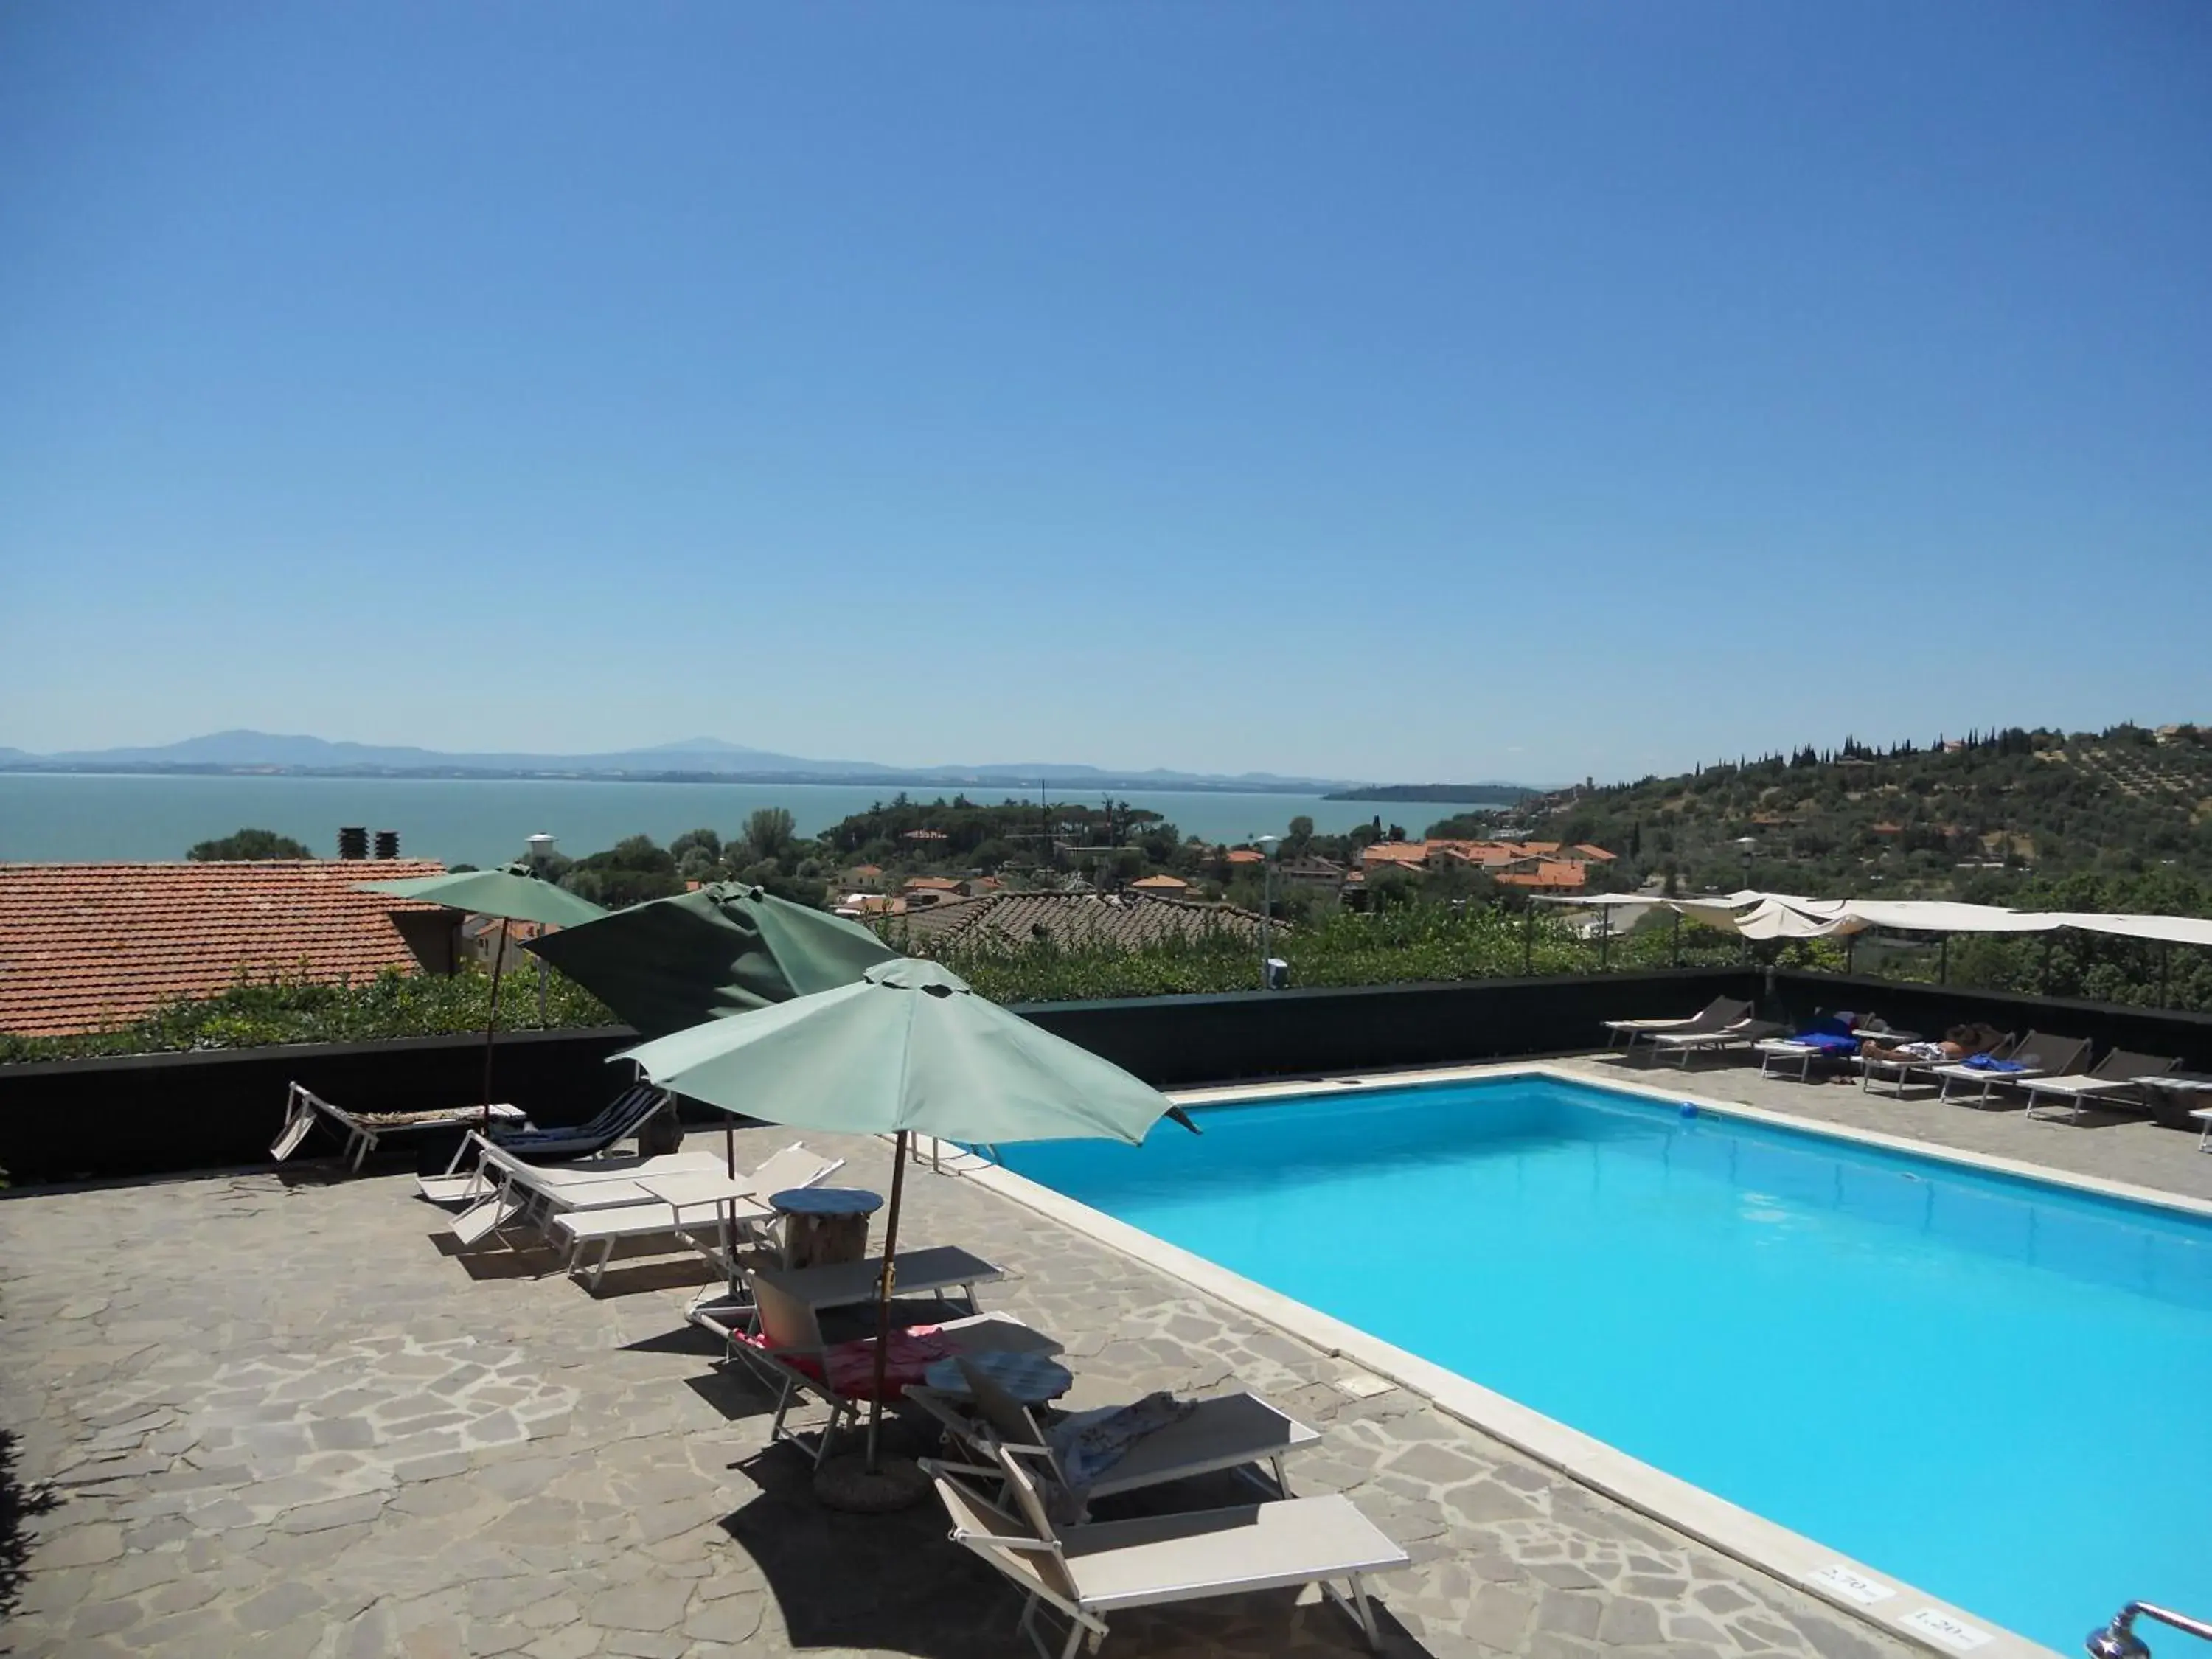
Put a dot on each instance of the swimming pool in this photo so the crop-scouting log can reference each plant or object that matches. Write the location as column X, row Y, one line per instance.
column 1998, row 1389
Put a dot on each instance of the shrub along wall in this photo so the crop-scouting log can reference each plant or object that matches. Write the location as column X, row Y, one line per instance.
column 155, row 1113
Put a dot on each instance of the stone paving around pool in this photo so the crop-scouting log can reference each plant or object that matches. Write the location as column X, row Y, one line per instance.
column 2111, row 1144
column 284, row 1419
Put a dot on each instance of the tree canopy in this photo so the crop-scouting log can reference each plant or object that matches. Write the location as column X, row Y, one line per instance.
column 246, row 847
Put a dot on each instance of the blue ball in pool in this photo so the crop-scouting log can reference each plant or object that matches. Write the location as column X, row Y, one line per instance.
column 1689, row 1109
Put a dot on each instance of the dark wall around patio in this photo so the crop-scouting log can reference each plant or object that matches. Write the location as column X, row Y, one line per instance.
column 1183, row 1041
column 152, row 1114
column 155, row 1113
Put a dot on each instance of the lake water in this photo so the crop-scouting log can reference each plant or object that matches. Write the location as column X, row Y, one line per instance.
column 88, row 818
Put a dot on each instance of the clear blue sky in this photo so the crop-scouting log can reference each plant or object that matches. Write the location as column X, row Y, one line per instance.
column 1402, row 392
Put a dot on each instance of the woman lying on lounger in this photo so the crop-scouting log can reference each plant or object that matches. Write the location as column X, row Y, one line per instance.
column 1958, row 1042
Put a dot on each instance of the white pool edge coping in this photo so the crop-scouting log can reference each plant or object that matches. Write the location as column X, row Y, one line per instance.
column 1805, row 1564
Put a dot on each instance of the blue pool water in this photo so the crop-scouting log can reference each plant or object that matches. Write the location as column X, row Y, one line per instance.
column 1999, row 1390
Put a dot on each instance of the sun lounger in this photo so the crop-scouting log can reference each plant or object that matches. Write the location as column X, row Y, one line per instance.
column 618, row 1121
column 1238, row 1431
column 789, row 1352
column 2117, row 1076
column 527, row 1193
column 363, row 1130
column 2180, row 1100
column 735, row 1223
column 1085, row 1572
column 2037, row 1055
column 1720, row 1011
column 1743, row 1034
column 1900, row 1072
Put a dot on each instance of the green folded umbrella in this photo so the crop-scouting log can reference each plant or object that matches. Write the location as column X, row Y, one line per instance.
column 725, row 949
column 908, row 1046
column 513, row 895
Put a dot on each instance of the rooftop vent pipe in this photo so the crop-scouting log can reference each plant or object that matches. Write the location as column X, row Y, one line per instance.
column 388, row 843
column 353, row 842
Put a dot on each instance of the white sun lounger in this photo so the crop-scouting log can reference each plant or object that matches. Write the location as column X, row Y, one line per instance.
column 1236, row 1431
column 1743, row 1034
column 609, row 1226
column 1720, row 1011
column 363, row 1130
column 527, row 1192
column 2119, row 1074
column 472, row 1186
column 2037, row 1055
column 1085, row 1572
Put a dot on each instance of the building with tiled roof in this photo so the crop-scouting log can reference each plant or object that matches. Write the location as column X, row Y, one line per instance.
column 88, row 945
column 1395, row 852
column 1246, row 855
column 1550, row 875
column 1161, row 886
column 1072, row 920
column 1582, row 851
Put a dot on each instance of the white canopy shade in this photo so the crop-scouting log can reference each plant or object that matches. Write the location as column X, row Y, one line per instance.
column 1785, row 915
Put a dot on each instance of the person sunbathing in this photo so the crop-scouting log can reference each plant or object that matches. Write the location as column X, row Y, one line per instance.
column 1956, row 1044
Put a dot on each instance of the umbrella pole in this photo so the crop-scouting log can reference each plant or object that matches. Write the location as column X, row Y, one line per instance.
column 883, row 1297
column 491, row 1024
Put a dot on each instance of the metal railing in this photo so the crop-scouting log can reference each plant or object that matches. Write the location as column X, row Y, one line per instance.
column 2119, row 1640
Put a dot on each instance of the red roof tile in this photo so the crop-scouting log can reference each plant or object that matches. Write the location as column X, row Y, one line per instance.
column 1549, row 876
column 84, row 946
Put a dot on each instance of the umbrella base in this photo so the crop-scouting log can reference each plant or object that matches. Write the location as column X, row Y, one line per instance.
column 845, row 1483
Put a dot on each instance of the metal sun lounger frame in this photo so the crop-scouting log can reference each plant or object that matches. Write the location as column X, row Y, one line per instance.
column 363, row 1130
column 1900, row 1072
column 536, row 1194
column 608, row 1225
column 2039, row 1055
column 1239, row 1432
column 1719, row 1013
column 2118, row 1076
column 793, row 1333
column 618, row 1121
column 1744, row 1033
column 1161, row 1558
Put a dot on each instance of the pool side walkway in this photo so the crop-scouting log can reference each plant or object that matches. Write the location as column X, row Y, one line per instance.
column 2108, row 1144
column 284, row 1419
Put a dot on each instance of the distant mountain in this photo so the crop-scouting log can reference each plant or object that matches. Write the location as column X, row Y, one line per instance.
column 688, row 757
column 1463, row 794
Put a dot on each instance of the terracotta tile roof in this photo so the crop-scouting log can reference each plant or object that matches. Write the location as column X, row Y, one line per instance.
column 1395, row 852
column 1550, row 875
column 1597, row 854
column 1246, row 855
column 1169, row 885
column 1075, row 920
column 84, row 946
column 931, row 884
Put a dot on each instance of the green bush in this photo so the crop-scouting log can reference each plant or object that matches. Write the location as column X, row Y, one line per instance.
column 255, row 1012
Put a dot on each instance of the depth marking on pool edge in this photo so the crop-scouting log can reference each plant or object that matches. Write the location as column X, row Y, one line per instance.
column 1951, row 1633
column 1866, row 1591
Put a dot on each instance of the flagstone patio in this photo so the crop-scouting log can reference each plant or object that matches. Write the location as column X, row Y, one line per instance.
column 281, row 1418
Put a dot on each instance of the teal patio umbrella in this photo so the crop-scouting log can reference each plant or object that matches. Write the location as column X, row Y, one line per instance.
column 906, row 1048
column 513, row 895
column 726, row 949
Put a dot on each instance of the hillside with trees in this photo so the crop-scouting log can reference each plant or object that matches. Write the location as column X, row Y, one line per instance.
column 1989, row 817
